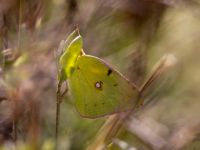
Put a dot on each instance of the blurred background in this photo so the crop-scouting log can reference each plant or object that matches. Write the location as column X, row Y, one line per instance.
column 132, row 36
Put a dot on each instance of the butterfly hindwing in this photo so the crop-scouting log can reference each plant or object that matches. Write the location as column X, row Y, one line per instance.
column 99, row 90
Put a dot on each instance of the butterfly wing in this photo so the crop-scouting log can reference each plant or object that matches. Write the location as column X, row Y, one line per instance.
column 99, row 90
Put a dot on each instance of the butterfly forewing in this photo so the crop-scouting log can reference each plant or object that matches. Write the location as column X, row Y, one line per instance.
column 99, row 90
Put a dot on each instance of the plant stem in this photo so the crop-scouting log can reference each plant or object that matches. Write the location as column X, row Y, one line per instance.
column 15, row 130
column 58, row 101
column 19, row 25
column 59, row 97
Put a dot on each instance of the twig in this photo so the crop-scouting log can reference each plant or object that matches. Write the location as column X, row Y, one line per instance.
column 19, row 25
column 14, row 130
column 59, row 97
column 19, row 38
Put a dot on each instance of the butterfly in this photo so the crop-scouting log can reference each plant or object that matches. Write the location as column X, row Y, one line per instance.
column 98, row 89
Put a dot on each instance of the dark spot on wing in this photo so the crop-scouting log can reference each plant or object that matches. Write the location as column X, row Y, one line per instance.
column 95, row 105
column 115, row 84
column 103, row 103
column 109, row 72
column 78, row 68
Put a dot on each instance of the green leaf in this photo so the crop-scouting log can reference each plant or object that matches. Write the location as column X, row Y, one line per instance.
column 68, row 58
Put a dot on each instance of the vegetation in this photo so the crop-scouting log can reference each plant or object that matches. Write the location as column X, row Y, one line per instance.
column 152, row 43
